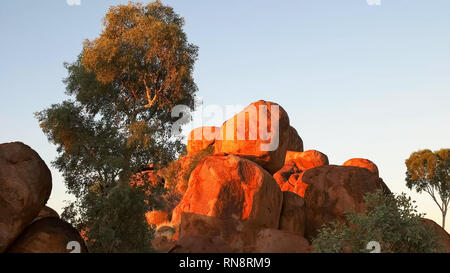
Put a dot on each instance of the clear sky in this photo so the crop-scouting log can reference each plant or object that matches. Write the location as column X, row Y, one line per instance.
column 357, row 80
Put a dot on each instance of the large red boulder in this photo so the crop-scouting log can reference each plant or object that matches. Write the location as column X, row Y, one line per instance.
column 362, row 163
column 308, row 159
column 332, row 190
column 201, row 138
column 293, row 214
column 295, row 141
column 48, row 235
column 25, row 186
column 260, row 133
column 231, row 187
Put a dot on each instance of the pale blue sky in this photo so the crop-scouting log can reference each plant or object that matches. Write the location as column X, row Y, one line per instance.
column 356, row 80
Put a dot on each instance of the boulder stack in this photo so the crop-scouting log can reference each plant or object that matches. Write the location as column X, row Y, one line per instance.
column 26, row 224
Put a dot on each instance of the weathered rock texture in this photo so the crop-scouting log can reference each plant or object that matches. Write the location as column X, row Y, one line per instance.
column 308, row 159
column 48, row 235
column 25, row 186
column 201, row 138
column 230, row 187
column 295, row 141
column 362, row 163
column 332, row 190
column 293, row 214
column 260, row 133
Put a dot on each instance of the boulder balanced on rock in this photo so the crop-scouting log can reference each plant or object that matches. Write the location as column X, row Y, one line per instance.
column 259, row 133
column 362, row 163
column 25, row 186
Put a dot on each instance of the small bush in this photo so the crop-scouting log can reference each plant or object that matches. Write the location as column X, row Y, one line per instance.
column 390, row 220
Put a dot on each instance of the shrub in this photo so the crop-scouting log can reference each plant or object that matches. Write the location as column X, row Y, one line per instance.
column 392, row 221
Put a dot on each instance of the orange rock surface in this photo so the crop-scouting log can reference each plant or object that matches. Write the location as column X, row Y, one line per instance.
column 230, row 187
column 307, row 160
column 156, row 217
column 259, row 133
column 202, row 137
column 362, row 163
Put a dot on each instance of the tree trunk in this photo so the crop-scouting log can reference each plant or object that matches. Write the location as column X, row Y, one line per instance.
column 444, row 213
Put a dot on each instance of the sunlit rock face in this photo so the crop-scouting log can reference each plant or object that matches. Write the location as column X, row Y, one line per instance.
column 362, row 163
column 157, row 217
column 308, row 159
column 259, row 133
column 231, row 187
column 201, row 138
column 25, row 186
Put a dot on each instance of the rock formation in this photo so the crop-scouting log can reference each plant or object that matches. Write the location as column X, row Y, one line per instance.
column 48, row 235
column 332, row 190
column 231, row 187
column 246, row 199
column 26, row 224
column 25, row 186
column 259, row 133
column 201, row 138
column 362, row 163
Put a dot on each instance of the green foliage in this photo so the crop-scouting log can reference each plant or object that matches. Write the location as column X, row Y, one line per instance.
column 144, row 51
column 391, row 220
column 107, row 130
column 115, row 222
column 429, row 172
column 177, row 173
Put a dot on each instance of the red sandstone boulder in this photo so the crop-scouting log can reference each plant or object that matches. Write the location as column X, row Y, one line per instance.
column 25, row 186
column 279, row 241
column 259, row 133
column 201, row 138
column 443, row 233
column 293, row 214
column 332, row 190
column 295, row 141
column 230, row 187
column 308, row 159
column 362, row 163
column 48, row 235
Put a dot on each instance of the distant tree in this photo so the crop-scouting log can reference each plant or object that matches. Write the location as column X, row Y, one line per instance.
column 390, row 220
column 429, row 172
column 109, row 130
